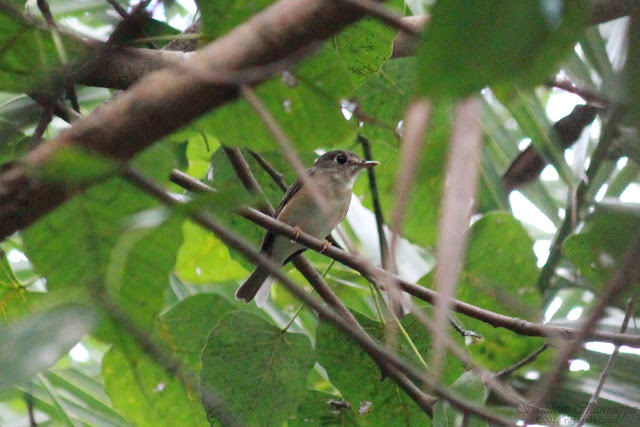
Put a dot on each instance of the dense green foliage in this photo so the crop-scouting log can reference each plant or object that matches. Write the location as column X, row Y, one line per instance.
column 114, row 252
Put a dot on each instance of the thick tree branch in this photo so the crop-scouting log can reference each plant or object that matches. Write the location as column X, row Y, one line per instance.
column 167, row 100
column 119, row 67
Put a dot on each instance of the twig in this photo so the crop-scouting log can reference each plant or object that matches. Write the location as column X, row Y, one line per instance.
column 524, row 362
column 277, row 177
column 375, row 201
column 58, row 108
column 45, row 118
column 590, row 96
column 243, row 172
column 597, row 158
column 415, row 127
column 519, row 326
column 43, row 5
column 623, row 277
column 118, row 8
column 28, row 400
column 462, row 172
column 377, row 352
column 378, row 11
column 605, row 373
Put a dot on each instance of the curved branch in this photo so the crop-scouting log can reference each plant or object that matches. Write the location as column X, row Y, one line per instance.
column 519, row 326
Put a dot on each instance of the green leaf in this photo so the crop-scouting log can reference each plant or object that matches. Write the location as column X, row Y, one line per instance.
column 471, row 388
column 31, row 57
column 305, row 103
column 76, row 167
column 219, row 17
column 95, row 240
column 367, row 44
column 33, row 344
column 373, row 401
column 323, row 409
column 472, row 44
column 71, row 396
column 203, row 258
column 186, row 327
column 598, row 249
column 144, row 393
column 259, row 370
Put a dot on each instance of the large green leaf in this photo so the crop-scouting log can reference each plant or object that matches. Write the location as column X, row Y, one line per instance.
column 203, row 258
column 31, row 57
column 598, row 249
column 218, row 17
column 372, row 401
column 305, row 103
column 259, row 370
column 476, row 43
column 367, row 44
column 95, row 240
column 69, row 396
column 144, row 393
column 33, row 344
column 470, row 387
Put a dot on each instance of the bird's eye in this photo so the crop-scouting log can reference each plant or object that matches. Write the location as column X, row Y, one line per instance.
column 341, row 159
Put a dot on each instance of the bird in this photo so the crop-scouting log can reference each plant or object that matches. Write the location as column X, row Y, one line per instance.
column 333, row 174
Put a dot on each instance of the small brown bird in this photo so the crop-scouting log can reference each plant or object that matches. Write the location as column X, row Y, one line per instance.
column 333, row 174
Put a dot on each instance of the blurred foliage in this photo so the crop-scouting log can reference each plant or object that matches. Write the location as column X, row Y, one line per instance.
column 114, row 246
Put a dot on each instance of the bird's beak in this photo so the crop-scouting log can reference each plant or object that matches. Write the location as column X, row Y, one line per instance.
column 368, row 164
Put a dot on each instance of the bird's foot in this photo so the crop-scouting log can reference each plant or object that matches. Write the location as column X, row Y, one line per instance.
column 297, row 231
column 326, row 245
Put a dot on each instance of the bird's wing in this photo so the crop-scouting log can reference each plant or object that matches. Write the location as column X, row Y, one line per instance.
column 293, row 189
column 267, row 243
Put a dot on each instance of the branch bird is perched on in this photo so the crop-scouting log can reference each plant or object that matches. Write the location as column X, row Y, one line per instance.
column 333, row 174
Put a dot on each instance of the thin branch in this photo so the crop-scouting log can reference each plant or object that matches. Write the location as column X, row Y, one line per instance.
column 522, row 363
column 516, row 325
column 592, row 97
column 58, row 108
column 243, row 172
column 598, row 157
column 623, row 277
column 385, row 15
column 45, row 119
column 375, row 201
column 605, row 373
column 118, row 8
column 378, row 353
column 43, row 5
column 277, row 177
column 462, row 173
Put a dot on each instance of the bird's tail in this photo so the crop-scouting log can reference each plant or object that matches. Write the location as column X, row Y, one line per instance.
column 252, row 285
